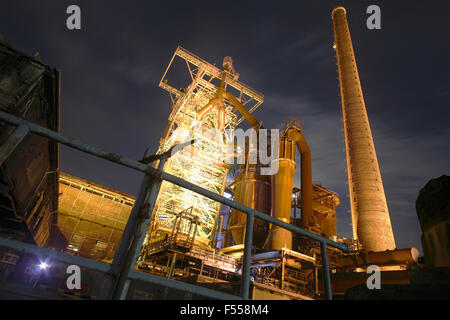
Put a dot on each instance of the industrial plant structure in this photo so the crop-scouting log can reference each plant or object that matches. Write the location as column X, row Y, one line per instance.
column 181, row 234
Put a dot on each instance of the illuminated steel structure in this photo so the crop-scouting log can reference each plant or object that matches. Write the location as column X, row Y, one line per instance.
column 164, row 238
column 370, row 215
column 194, row 116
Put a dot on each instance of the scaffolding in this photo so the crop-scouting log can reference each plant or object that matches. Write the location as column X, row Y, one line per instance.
column 199, row 163
column 286, row 270
column 204, row 162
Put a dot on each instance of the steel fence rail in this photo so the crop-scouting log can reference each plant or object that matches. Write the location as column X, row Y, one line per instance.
column 54, row 255
column 79, row 145
column 183, row 286
column 236, row 205
column 146, row 189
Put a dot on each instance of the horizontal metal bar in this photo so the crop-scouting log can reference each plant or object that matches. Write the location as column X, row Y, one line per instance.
column 54, row 255
column 13, row 141
column 139, row 231
column 103, row 267
column 182, row 286
column 238, row 206
column 268, row 264
column 74, row 143
column 326, row 271
column 247, row 258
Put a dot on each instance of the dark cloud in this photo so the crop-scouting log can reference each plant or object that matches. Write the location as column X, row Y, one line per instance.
column 112, row 66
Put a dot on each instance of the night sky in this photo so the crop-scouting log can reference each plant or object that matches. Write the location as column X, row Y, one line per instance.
column 112, row 66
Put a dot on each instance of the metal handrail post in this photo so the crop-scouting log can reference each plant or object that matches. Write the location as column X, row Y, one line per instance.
column 125, row 240
column 326, row 271
column 246, row 259
column 139, row 235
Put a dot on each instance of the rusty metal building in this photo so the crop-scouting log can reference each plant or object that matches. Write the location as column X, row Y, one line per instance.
column 91, row 217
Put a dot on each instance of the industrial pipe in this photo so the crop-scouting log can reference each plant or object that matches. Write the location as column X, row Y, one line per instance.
column 282, row 183
column 240, row 107
column 382, row 258
column 203, row 111
column 252, row 190
column 218, row 101
column 295, row 134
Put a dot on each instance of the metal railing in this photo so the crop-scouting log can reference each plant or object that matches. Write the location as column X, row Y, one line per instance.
column 121, row 271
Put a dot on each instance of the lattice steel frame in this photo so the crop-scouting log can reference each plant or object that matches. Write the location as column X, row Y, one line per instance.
column 202, row 163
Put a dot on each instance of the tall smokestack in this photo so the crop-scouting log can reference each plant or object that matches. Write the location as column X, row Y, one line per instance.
column 370, row 215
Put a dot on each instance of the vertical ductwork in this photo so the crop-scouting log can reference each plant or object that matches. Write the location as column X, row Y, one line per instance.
column 282, row 184
column 370, row 215
column 252, row 190
column 306, row 175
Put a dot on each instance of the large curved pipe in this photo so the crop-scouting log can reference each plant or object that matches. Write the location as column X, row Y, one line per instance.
column 306, row 173
column 203, row 111
column 221, row 117
column 216, row 101
column 240, row 107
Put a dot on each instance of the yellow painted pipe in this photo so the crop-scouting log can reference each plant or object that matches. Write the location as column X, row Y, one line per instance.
column 252, row 190
column 221, row 117
column 306, row 174
column 203, row 111
column 380, row 258
column 282, row 184
column 218, row 101
column 240, row 107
